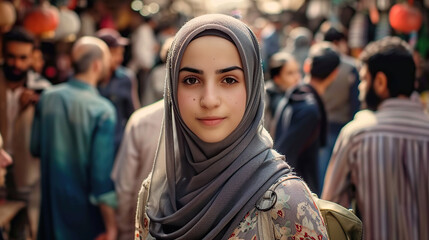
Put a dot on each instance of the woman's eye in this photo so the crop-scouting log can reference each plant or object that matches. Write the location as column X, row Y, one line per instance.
column 229, row 80
column 190, row 81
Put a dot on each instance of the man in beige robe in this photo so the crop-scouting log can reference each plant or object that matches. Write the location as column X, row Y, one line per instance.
column 19, row 92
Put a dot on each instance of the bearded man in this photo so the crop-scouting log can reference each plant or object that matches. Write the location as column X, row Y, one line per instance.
column 380, row 159
column 19, row 91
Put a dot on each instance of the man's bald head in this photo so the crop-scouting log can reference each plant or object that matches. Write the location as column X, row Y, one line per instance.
column 86, row 50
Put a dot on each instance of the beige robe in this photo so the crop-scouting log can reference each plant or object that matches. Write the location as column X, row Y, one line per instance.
column 26, row 169
column 134, row 162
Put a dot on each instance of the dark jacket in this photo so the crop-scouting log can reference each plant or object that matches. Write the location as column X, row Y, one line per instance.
column 301, row 131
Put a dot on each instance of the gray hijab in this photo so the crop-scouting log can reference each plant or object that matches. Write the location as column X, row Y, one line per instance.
column 203, row 190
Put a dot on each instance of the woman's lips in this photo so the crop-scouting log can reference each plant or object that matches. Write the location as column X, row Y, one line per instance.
column 211, row 121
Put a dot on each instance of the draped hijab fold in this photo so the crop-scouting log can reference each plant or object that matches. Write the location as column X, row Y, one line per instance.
column 203, row 190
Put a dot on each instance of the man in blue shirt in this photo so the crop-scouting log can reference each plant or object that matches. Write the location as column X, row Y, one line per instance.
column 73, row 134
column 121, row 87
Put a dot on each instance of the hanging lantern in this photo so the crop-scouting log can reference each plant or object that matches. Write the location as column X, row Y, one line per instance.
column 383, row 5
column 69, row 25
column 7, row 16
column 72, row 4
column 358, row 34
column 318, row 9
column 405, row 18
column 42, row 21
column 374, row 15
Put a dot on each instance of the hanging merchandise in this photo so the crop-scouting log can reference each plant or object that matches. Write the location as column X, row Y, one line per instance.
column 423, row 42
column 318, row 9
column 383, row 5
column 405, row 18
column 413, row 39
column 374, row 15
column 358, row 33
column 69, row 25
column 383, row 27
column 71, row 4
column 46, row 17
column 7, row 16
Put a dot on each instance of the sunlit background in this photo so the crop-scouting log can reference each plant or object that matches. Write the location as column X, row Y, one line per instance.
column 59, row 22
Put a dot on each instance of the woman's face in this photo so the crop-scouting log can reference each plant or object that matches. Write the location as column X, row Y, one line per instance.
column 289, row 75
column 211, row 88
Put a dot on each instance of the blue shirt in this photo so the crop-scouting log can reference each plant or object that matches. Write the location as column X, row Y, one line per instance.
column 73, row 134
column 119, row 91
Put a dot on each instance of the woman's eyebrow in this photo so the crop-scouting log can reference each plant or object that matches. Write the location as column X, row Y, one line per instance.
column 223, row 70
column 228, row 69
column 192, row 70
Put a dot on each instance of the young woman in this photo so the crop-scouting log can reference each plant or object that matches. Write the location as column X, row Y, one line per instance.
column 216, row 175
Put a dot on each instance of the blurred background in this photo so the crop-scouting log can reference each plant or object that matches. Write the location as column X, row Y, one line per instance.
column 57, row 23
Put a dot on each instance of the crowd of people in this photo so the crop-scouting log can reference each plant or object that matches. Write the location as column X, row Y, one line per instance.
column 188, row 133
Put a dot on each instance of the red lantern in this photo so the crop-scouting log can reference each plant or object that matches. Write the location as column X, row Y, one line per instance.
column 42, row 21
column 405, row 18
column 72, row 4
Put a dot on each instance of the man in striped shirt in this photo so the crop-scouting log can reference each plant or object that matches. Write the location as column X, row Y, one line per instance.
column 381, row 158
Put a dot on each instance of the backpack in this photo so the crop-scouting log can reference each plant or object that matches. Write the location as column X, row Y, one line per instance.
column 341, row 223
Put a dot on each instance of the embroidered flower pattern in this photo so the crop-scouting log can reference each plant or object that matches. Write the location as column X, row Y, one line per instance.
column 281, row 205
column 282, row 231
column 249, row 221
column 142, row 232
column 294, row 216
column 303, row 233
column 234, row 235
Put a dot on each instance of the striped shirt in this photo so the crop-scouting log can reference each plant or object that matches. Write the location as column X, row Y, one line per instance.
column 381, row 159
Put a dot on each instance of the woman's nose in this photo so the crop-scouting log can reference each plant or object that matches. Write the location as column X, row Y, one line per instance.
column 210, row 97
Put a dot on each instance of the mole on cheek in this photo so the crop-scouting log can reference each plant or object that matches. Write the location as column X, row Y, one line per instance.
column 193, row 99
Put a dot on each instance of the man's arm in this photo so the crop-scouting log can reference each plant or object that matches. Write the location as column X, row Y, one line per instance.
column 134, row 162
column 338, row 180
column 5, row 158
column 27, row 98
column 337, row 177
column 102, row 189
column 124, row 175
column 134, row 91
column 108, row 214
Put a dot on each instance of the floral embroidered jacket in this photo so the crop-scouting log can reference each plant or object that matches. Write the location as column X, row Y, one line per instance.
column 294, row 216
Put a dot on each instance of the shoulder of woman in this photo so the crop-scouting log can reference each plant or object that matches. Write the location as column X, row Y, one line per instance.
column 291, row 190
column 295, row 213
